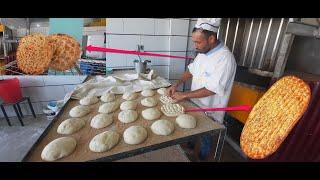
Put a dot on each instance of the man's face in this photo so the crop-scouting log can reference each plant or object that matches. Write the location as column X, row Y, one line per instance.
column 201, row 44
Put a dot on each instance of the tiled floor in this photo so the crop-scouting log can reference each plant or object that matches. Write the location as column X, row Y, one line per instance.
column 17, row 140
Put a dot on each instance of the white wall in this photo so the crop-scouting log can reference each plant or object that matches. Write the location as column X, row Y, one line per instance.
column 43, row 89
column 163, row 36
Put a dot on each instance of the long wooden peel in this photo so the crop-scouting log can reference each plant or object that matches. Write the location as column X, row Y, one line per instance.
column 232, row 108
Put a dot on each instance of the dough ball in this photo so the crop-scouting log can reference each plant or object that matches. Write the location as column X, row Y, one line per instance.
column 186, row 121
column 108, row 107
column 147, row 93
column 151, row 114
column 101, row 120
column 79, row 111
column 149, row 102
column 128, row 116
column 128, row 105
column 162, row 91
column 162, row 127
column 135, row 135
column 70, row 126
column 58, row 148
column 129, row 96
column 88, row 100
column 107, row 97
column 104, row 141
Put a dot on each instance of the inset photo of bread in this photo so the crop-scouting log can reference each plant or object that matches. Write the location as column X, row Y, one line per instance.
column 52, row 46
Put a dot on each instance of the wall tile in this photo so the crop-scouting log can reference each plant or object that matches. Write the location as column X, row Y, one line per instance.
column 179, row 27
column 139, row 26
column 114, row 25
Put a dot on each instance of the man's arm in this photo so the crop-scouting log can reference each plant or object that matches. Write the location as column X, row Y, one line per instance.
column 185, row 76
column 199, row 93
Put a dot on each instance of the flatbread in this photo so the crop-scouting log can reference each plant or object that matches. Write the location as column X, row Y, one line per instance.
column 34, row 54
column 66, row 53
column 273, row 117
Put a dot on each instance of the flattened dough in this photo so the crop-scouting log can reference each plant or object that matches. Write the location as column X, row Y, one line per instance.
column 166, row 99
column 172, row 110
column 58, row 148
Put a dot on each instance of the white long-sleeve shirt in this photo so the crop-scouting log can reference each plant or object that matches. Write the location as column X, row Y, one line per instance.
column 214, row 71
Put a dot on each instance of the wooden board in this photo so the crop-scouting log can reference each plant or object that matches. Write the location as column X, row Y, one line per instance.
column 84, row 136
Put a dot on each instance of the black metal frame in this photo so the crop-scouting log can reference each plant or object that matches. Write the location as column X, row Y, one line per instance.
column 17, row 109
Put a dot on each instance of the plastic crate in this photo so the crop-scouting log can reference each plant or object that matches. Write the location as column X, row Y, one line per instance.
column 92, row 68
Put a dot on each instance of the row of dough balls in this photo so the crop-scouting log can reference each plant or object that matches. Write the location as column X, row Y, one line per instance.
column 110, row 97
column 64, row 146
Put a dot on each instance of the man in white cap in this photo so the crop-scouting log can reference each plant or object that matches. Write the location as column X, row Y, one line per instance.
column 212, row 73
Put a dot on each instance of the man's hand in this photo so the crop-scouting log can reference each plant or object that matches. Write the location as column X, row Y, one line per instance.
column 171, row 90
column 179, row 96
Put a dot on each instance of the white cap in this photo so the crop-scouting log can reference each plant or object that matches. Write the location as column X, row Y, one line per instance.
column 210, row 24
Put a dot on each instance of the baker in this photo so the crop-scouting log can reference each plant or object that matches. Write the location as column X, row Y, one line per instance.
column 212, row 73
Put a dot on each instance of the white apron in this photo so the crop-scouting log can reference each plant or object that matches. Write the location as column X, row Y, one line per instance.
column 214, row 71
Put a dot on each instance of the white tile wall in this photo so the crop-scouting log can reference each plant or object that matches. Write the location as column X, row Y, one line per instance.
column 190, row 45
column 162, row 26
column 116, row 60
column 10, row 77
column 46, row 93
column 178, row 43
column 114, row 25
column 162, row 71
column 155, row 43
column 27, row 81
column 58, row 80
column 191, row 26
column 155, row 60
column 126, row 42
column 139, row 26
column 177, row 65
column 179, row 27
column 68, row 88
column 130, row 58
